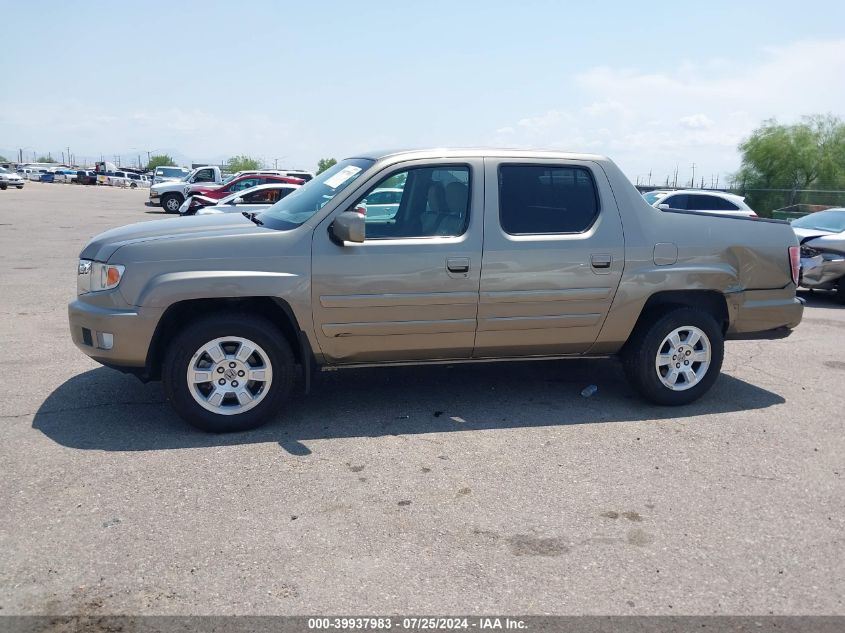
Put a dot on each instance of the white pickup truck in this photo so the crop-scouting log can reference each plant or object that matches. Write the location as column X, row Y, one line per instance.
column 170, row 195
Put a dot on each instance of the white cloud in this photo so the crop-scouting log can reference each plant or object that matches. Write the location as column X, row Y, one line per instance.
column 696, row 121
column 697, row 112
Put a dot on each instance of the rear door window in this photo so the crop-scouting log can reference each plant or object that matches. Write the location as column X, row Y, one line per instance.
column 678, row 201
column 542, row 199
column 710, row 203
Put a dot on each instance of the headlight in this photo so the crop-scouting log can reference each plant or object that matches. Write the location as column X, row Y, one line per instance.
column 93, row 276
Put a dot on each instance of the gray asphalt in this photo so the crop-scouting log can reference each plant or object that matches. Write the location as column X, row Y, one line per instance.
column 465, row 489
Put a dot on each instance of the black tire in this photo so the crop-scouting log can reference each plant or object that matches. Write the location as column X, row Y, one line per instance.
column 133, row 185
column 840, row 290
column 642, row 349
column 180, row 354
column 171, row 202
column 3, row 187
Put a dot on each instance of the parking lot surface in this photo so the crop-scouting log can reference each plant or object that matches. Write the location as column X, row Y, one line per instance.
column 448, row 489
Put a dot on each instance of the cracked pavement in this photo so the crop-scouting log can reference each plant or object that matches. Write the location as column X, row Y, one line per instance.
column 465, row 489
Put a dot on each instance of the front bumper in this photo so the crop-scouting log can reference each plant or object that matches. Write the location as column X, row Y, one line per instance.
column 763, row 313
column 113, row 336
column 155, row 197
column 822, row 271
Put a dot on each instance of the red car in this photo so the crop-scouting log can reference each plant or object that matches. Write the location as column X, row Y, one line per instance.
column 240, row 183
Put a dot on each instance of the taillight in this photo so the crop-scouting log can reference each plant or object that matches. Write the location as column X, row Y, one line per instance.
column 361, row 210
column 795, row 262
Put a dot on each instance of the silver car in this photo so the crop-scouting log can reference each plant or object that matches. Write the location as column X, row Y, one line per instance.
column 822, row 238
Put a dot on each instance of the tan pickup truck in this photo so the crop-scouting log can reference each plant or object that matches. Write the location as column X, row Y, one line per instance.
column 434, row 256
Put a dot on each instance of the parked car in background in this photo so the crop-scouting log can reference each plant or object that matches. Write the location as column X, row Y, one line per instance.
column 170, row 173
column 223, row 308
column 171, row 194
column 704, row 202
column 86, row 177
column 126, row 179
column 297, row 173
column 653, row 196
column 64, row 175
column 249, row 200
column 8, row 178
column 47, row 176
column 382, row 203
column 240, row 183
column 822, row 239
column 36, row 174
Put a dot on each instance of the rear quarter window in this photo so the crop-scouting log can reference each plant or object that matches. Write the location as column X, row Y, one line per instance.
column 543, row 199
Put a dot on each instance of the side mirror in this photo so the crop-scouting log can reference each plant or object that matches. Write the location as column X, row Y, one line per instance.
column 237, row 200
column 663, row 206
column 348, row 227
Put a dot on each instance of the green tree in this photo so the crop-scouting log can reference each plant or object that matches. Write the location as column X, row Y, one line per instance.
column 806, row 155
column 45, row 159
column 242, row 163
column 325, row 163
column 3, row 159
column 159, row 160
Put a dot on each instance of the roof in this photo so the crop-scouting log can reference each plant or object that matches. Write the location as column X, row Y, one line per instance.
column 476, row 152
column 709, row 192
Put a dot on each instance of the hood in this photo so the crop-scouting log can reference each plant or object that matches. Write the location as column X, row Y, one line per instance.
column 822, row 240
column 808, row 234
column 204, row 187
column 104, row 245
column 168, row 184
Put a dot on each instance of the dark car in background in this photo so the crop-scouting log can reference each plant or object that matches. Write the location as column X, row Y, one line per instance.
column 86, row 177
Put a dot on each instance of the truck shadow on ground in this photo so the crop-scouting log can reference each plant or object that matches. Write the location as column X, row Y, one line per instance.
column 105, row 410
column 821, row 299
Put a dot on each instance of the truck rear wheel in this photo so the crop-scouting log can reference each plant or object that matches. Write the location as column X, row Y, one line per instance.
column 228, row 373
column 676, row 357
column 171, row 202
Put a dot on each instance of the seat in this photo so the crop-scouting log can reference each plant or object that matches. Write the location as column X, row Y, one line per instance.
column 453, row 218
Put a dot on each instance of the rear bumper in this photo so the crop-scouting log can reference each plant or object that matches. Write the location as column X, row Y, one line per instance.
column 763, row 313
column 112, row 336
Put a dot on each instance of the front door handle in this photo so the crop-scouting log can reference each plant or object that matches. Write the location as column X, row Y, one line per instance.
column 601, row 261
column 457, row 264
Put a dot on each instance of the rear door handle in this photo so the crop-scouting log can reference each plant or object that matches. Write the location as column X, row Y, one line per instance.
column 601, row 261
column 457, row 264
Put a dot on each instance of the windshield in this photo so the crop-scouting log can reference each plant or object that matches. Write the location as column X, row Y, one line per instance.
column 172, row 172
column 3, row 170
column 653, row 196
column 832, row 220
column 299, row 206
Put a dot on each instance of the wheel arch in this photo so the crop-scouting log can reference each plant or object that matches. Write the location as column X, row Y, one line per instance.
column 712, row 302
column 274, row 309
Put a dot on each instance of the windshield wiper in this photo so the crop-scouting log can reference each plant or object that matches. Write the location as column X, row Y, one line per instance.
column 252, row 217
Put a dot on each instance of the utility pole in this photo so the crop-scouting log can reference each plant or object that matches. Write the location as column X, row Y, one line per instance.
column 675, row 181
column 649, row 177
column 692, row 180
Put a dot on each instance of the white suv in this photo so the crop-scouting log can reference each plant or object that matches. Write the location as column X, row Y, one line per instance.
column 705, row 202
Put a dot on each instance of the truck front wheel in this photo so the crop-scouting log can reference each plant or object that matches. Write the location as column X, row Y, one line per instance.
column 228, row 373
column 171, row 202
column 676, row 357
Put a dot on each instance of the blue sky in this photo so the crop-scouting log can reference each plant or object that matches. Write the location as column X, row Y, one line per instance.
column 650, row 84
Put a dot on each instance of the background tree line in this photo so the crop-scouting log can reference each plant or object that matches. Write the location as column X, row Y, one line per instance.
column 799, row 163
